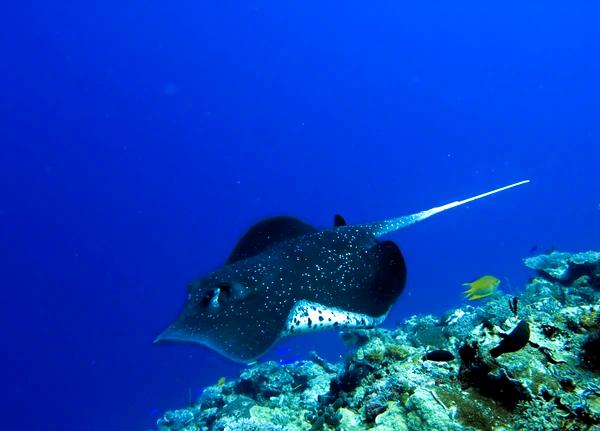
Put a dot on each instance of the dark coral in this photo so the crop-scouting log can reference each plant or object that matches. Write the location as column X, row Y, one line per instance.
column 472, row 365
column 350, row 378
column 476, row 372
column 374, row 407
column 504, row 390
column 263, row 382
column 549, row 331
column 590, row 352
column 340, row 386
column 327, row 412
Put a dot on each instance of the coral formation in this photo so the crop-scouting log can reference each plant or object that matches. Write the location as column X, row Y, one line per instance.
column 526, row 363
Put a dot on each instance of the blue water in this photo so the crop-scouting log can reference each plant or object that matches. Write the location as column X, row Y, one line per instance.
column 140, row 139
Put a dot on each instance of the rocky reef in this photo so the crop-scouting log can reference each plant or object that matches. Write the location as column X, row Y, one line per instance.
column 526, row 362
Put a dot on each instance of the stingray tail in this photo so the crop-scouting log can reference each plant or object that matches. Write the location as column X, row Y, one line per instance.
column 391, row 225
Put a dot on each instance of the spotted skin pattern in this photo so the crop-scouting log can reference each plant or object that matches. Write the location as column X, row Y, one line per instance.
column 284, row 276
column 312, row 316
column 335, row 268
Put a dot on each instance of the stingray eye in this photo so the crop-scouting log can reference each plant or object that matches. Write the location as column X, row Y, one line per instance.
column 221, row 294
column 210, row 298
column 224, row 292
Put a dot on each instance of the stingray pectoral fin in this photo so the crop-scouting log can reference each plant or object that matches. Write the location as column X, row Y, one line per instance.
column 391, row 225
column 174, row 335
column 267, row 233
column 307, row 316
column 239, row 348
column 240, row 329
column 389, row 277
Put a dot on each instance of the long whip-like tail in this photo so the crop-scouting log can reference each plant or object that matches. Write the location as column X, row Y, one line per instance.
column 391, row 225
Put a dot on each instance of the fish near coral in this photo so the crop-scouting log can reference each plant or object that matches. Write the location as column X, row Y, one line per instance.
column 514, row 341
column 438, row 356
column 285, row 277
column 482, row 287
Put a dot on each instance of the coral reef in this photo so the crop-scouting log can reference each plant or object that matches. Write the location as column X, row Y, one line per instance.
column 530, row 362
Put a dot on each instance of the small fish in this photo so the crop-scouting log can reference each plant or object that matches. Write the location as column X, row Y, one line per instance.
column 482, row 287
column 221, row 382
column 514, row 341
column 439, row 356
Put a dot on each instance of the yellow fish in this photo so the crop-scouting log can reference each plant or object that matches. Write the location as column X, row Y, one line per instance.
column 221, row 381
column 482, row 287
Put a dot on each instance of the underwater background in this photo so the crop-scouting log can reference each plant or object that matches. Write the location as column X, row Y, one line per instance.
column 140, row 139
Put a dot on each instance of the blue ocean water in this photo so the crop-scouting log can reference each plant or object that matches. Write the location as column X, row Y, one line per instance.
column 140, row 139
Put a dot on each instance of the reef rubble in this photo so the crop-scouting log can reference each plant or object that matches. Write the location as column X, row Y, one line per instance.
column 526, row 362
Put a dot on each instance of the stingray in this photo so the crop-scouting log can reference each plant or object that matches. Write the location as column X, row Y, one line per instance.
column 285, row 277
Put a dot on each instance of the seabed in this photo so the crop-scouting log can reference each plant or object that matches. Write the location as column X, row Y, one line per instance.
column 529, row 364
